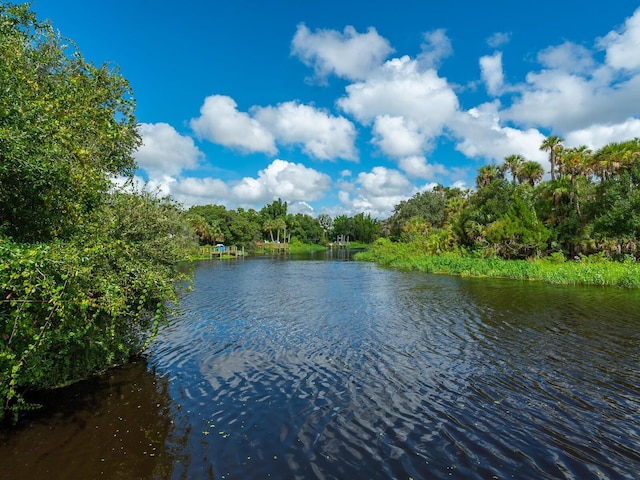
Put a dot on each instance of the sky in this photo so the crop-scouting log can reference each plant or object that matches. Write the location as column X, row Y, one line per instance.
column 350, row 106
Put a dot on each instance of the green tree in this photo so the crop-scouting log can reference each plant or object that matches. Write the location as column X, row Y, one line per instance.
column 512, row 164
column 430, row 206
column 487, row 174
column 518, row 234
column 365, row 228
column 87, row 273
column 530, row 172
column 275, row 209
column 73, row 308
column 246, row 228
column 553, row 145
column 343, row 225
column 66, row 128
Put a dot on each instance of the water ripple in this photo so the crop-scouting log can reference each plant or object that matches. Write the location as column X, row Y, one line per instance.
column 343, row 370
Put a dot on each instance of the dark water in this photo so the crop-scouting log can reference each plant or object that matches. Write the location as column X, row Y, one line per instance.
column 336, row 369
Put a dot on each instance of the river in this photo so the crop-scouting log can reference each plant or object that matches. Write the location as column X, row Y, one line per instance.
column 322, row 367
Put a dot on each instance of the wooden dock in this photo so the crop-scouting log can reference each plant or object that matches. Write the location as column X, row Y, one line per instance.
column 272, row 247
column 213, row 251
column 342, row 241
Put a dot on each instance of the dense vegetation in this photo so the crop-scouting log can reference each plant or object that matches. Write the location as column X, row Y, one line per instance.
column 244, row 228
column 588, row 211
column 86, row 272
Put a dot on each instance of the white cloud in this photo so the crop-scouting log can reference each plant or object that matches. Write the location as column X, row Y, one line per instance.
column 164, row 151
column 566, row 102
column 498, row 39
column 322, row 135
column 435, row 48
column 401, row 99
column 397, row 136
column 289, row 181
column 567, row 57
column 481, row 135
column 293, row 182
column 375, row 192
column 350, row 54
column 300, row 207
column 573, row 92
column 418, row 167
column 622, row 48
column 222, row 123
column 200, row 191
column 492, row 74
column 599, row 135
column 400, row 88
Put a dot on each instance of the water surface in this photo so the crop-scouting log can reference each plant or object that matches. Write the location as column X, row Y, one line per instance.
column 327, row 368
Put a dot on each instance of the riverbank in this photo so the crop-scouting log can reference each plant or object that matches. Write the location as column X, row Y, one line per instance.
column 555, row 269
column 295, row 248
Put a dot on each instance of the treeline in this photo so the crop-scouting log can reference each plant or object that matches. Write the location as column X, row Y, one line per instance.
column 216, row 224
column 590, row 205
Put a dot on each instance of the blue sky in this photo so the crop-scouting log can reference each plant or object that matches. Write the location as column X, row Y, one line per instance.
column 343, row 107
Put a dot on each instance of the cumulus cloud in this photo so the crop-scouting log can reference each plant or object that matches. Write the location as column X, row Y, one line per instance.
column 222, row 123
column 564, row 102
column 400, row 98
column 350, row 54
column 599, row 135
column 323, row 136
column 491, row 72
column 293, row 182
column 290, row 181
column 375, row 192
column 567, row 57
column 418, row 167
column 622, row 47
column 435, row 48
column 164, row 151
column 397, row 136
column 572, row 91
column 481, row 135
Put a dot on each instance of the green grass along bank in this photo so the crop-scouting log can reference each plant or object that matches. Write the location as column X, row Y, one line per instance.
column 593, row 270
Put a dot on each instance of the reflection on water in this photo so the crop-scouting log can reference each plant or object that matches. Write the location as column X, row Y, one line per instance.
column 116, row 426
column 336, row 369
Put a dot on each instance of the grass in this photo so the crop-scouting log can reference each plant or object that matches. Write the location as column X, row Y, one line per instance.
column 586, row 271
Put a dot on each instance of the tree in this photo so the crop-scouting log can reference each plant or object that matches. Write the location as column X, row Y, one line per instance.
column 326, row 222
column 343, row 225
column 274, row 210
column 518, row 234
column 74, row 308
column 430, row 206
column 512, row 164
column 487, row 174
column 530, row 172
column 66, row 128
column 552, row 144
column 366, row 229
column 87, row 273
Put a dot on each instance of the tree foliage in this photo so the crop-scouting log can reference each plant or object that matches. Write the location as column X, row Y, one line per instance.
column 66, row 127
column 87, row 272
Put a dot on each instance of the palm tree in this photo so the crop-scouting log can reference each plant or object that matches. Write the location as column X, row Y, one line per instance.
column 576, row 162
column 530, row 172
column 553, row 145
column 487, row 174
column 269, row 226
column 512, row 164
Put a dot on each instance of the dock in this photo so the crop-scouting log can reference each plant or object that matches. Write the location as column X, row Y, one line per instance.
column 222, row 251
column 272, row 247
